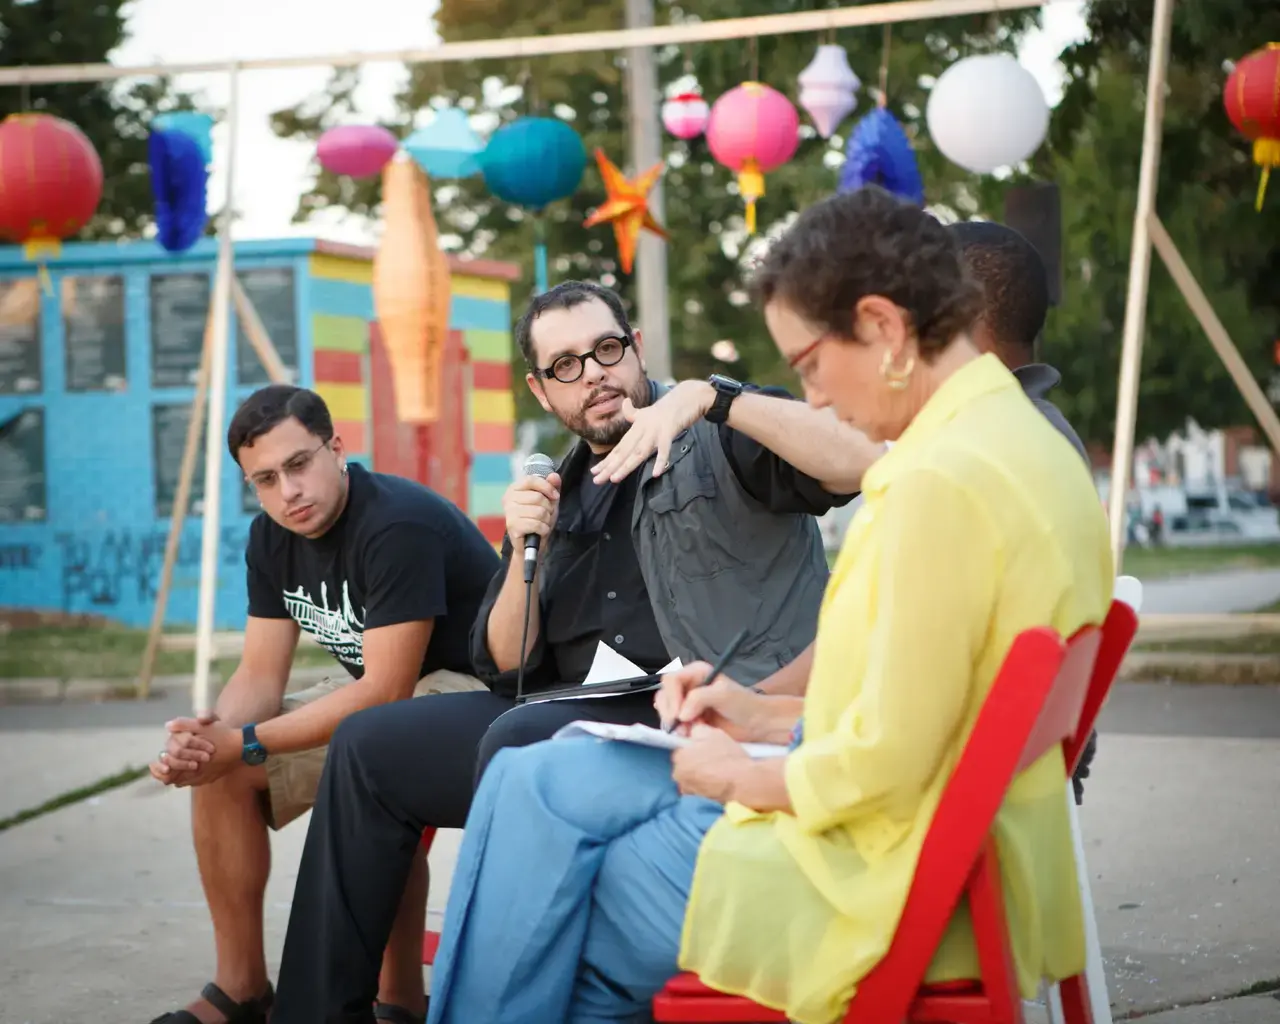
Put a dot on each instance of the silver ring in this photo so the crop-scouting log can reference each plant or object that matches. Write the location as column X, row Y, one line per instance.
column 163, row 754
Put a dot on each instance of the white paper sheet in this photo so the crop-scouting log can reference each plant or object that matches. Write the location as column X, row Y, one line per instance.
column 648, row 737
column 608, row 665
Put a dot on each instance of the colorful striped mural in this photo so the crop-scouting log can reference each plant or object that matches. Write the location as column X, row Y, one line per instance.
column 467, row 454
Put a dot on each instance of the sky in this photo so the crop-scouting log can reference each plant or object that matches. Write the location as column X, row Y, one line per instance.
column 272, row 173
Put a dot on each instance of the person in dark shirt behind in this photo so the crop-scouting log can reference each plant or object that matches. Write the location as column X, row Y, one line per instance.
column 679, row 516
column 1016, row 285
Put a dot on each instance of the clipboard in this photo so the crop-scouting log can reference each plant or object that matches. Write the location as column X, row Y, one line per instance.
column 611, row 688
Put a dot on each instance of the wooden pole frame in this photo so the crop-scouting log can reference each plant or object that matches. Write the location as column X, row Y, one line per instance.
column 217, row 408
column 549, row 45
column 181, row 501
column 1139, row 279
column 258, row 337
column 1148, row 233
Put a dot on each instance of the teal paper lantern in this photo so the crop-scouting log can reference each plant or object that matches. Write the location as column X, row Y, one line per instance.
column 196, row 126
column 533, row 162
column 447, row 147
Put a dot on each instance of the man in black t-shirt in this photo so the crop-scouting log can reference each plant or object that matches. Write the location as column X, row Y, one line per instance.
column 385, row 575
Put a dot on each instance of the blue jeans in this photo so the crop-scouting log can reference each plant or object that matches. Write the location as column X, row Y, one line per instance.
column 569, row 896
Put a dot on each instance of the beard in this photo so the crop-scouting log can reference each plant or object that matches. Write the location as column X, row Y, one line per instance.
column 608, row 433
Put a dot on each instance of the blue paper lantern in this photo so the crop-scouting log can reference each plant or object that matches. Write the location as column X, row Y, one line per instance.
column 179, row 181
column 192, row 124
column 880, row 153
column 533, row 162
column 446, row 148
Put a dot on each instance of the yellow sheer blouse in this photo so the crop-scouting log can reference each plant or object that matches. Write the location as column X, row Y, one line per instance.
column 981, row 522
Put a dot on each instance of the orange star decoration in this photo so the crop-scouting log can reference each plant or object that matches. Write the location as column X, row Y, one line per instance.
column 627, row 207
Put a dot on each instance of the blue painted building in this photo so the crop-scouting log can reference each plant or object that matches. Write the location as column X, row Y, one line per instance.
column 97, row 373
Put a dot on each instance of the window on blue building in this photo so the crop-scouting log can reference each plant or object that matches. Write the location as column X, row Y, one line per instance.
column 20, row 337
column 93, row 322
column 271, row 291
column 168, row 438
column 179, row 310
column 22, row 472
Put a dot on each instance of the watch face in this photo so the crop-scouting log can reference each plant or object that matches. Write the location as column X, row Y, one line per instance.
column 254, row 755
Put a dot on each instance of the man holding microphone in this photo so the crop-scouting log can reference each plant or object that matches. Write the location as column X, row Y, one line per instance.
column 680, row 517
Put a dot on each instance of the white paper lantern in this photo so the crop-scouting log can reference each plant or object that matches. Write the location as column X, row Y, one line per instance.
column 987, row 112
column 686, row 116
column 829, row 88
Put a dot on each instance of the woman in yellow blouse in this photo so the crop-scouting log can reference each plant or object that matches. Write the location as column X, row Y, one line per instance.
column 590, row 872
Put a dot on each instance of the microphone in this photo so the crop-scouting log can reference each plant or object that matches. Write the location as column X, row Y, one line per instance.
column 541, row 466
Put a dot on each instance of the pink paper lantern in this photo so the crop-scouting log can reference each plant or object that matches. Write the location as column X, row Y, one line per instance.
column 685, row 116
column 753, row 130
column 356, row 150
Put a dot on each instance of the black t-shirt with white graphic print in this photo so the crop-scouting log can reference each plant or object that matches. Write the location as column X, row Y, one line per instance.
column 398, row 553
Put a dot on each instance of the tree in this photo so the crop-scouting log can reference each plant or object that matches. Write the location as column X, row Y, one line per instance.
column 114, row 117
column 1205, row 199
column 704, row 214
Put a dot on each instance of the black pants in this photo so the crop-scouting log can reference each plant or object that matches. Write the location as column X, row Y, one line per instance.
column 391, row 772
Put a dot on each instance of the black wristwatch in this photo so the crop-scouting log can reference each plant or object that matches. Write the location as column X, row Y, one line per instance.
column 253, row 752
column 727, row 389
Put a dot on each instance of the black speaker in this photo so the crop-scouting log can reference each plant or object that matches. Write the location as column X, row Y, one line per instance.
column 1035, row 212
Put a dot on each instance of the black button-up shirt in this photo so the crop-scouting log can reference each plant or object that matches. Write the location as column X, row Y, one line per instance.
column 591, row 587
column 592, row 592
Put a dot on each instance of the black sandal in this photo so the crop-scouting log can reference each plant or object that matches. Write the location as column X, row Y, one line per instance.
column 396, row 1014
column 251, row 1011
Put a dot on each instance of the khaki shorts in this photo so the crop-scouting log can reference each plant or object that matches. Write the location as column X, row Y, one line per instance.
column 293, row 779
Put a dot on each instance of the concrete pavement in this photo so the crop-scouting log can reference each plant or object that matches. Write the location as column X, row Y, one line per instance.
column 104, row 918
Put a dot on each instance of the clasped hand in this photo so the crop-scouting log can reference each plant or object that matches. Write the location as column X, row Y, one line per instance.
column 198, row 751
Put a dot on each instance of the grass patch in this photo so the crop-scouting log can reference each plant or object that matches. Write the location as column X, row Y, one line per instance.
column 1262, row 988
column 105, row 652
column 1253, row 643
column 120, row 778
column 1161, row 563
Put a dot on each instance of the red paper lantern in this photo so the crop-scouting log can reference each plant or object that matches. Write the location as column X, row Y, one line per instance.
column 1252, row 99
column 50, row 181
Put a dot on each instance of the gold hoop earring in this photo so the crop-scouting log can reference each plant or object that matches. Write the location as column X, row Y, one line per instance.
column 896, row 379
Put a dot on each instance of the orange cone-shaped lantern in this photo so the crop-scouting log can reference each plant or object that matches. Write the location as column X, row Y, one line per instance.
column 411, row 291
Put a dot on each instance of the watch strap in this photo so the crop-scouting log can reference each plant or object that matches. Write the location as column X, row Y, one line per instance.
column 252, row 751
column 726, row 391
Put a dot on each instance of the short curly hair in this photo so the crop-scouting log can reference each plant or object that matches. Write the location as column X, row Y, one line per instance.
column 869, row 242
column 1014, row 279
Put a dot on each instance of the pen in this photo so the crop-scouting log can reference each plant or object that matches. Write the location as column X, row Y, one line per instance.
column 716, row 669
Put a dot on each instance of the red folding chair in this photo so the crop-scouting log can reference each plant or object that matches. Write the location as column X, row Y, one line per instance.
column 1045, row 693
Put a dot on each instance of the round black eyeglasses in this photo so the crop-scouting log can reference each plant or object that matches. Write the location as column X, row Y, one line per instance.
column 569, row 368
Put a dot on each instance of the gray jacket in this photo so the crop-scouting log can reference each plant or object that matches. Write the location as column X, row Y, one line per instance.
column 1037, row 380
column 716, row 561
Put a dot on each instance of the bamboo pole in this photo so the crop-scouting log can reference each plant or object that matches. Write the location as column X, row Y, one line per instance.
column 256, row 332
column 1139, row 278
column 220, row 315
column 549, row 45
column 1217, row 333
column 181, row 501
